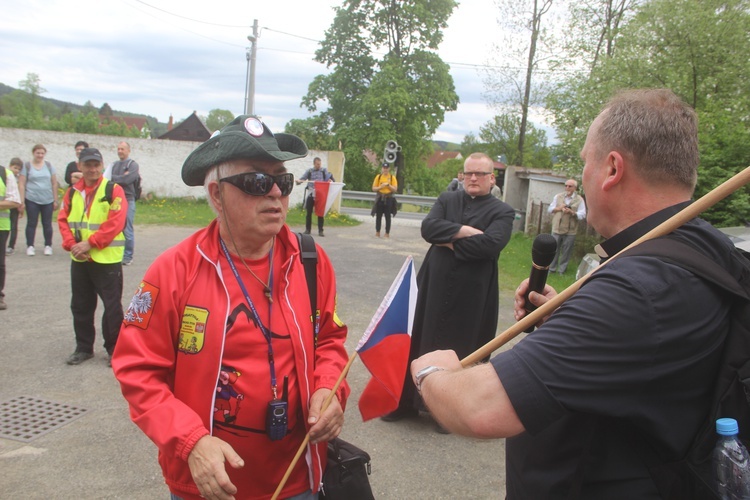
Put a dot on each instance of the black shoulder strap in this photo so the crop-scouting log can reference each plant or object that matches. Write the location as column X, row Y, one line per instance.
column 109, row 189
column 309, row 257
column 2, row 175
column 673, row 250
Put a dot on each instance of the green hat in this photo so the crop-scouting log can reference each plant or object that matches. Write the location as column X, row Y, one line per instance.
column 245, row 137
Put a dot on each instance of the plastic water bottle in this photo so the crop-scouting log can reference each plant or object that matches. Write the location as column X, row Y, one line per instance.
column 731, row 462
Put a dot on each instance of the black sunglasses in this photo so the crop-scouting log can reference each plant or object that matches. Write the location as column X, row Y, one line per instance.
column 258, row 184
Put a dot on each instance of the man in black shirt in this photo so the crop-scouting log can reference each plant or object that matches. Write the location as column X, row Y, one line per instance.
column 632, row 356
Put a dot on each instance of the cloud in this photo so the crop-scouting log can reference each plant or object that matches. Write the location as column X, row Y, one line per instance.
column 138, row 58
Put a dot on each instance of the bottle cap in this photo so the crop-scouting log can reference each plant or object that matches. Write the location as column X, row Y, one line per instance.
column 727, row 427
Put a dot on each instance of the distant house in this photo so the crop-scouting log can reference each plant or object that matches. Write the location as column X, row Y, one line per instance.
column 191, row 129
column 440, row 156
column 140, row 124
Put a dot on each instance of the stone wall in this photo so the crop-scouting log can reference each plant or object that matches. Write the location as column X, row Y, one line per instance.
column 160, row 160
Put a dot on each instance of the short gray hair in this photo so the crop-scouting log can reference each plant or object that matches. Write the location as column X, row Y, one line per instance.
column 657, row 130
column 215, row 173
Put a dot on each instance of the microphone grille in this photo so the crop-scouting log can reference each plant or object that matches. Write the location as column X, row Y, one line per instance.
column 543, row 250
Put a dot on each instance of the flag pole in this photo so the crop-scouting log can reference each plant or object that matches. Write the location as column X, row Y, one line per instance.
column 688, row 213
column 305, row 441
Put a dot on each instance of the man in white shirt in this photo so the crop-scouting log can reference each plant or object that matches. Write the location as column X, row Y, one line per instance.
column 567, row 208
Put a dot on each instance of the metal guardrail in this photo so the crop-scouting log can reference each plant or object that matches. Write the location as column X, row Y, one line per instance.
column 421, row 201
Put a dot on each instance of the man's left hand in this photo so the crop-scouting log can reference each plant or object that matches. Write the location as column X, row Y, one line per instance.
column 81, row 250
column 325, row 426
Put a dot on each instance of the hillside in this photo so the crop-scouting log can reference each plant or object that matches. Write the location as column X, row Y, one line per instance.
column 156, row 127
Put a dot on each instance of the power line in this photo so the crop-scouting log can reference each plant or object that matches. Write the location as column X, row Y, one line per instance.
column 191, row 19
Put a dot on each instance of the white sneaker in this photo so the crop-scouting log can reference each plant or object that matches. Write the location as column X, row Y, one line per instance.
column 30, row 251
column 48, row 250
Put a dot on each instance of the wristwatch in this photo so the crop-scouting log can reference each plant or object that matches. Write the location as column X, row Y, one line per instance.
column 421, row 374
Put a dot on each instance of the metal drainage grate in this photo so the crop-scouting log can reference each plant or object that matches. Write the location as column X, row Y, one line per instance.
column 25, row 419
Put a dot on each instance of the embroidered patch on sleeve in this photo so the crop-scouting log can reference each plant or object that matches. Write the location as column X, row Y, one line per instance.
column 193, row 329
column 141, row 305
column 336, row 318
column 116, row 204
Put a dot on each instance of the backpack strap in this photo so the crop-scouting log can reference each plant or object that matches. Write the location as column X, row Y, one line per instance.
column 681, row 254
column 309, row 257
column 3, row 176
column 109, row 189
column 688, row 478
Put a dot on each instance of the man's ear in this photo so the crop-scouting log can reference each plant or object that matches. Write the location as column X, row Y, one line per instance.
column 615, row 170
column 215, row 195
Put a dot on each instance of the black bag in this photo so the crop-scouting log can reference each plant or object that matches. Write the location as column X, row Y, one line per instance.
column 346, row 473
column 138, row 188
column 690, row 478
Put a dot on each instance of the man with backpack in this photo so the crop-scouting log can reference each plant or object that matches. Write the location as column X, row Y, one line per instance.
column 620, row 379
column 126, row 173
column 223, row 360
column 91, row 221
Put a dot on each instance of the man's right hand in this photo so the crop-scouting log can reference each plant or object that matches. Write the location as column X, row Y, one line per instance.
column 519, row 310
column 206, row 462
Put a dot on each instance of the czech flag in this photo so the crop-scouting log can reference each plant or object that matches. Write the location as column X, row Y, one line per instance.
column 325, row 195
column 384, row 348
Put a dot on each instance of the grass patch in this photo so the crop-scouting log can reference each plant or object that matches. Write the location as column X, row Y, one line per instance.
column 196, row 213
column 514, row 265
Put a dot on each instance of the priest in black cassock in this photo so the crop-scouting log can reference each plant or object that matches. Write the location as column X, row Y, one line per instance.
column 457, row 303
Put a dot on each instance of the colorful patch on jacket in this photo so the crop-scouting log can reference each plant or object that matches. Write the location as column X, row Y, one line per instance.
column 336, row 318
column 116, row 204
column 193, row 329
column 141, row 305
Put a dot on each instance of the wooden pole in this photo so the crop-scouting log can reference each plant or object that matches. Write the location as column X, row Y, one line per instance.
column 688, row 213
column 305, row 441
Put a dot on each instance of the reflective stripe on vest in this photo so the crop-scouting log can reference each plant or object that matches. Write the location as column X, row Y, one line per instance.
column 85, row 225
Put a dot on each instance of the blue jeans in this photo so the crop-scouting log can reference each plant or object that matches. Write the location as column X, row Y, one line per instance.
column 129, row 233
column 308, row 495
column 32, row 218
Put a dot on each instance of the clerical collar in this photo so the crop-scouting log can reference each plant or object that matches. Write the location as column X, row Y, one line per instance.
column 480, row 197
column 632, row 233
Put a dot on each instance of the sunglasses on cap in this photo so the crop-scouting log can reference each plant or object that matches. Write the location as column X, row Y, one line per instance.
column 258, row 184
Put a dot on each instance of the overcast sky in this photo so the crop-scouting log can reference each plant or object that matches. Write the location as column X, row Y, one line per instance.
column 171, row 57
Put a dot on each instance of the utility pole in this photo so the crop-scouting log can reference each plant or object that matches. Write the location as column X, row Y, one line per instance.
column 250, row 83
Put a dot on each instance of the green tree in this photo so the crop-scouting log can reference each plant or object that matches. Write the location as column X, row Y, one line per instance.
column 315, row 131
column 402, row 95
column 29, row 112
column 700, row 51
column 469, row 145
column 501, row 137
column 218, row 119
column 513, row 87
column 106, row 110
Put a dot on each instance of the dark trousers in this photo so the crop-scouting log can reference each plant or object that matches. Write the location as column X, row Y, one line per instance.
column 383, row 208
column 89, row 280
column 13, row 227
column 310, row 206
column 3, row 239
column 32, row 217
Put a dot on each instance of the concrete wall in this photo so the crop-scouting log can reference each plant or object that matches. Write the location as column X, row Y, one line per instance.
column 526, row 187
column 160, row 160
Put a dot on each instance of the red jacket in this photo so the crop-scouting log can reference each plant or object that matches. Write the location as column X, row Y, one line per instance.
column 171, row 391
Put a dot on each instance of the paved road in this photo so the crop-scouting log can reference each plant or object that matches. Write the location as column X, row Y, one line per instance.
column 102, row 454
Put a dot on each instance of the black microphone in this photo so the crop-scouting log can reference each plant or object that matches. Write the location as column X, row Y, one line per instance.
column 542, row 254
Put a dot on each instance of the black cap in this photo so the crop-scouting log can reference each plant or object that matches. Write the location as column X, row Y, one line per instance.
column 386, row 165
column 246, row 137
column 91, row 154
